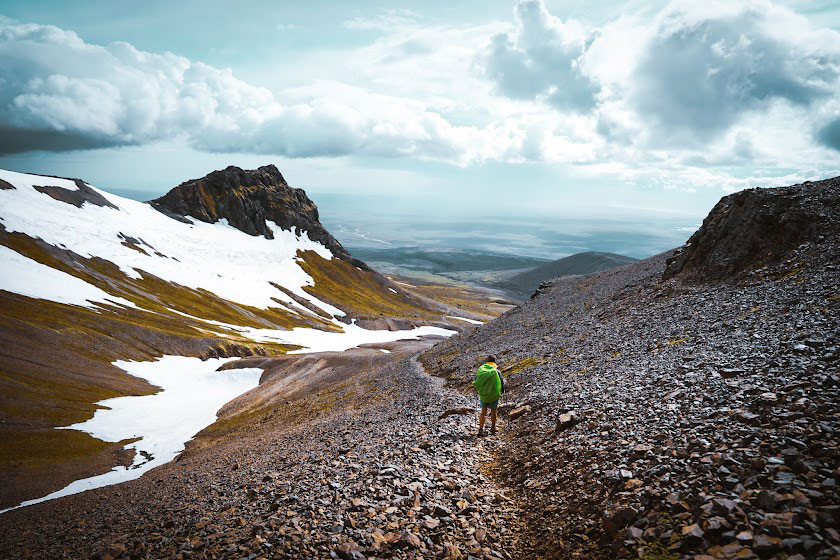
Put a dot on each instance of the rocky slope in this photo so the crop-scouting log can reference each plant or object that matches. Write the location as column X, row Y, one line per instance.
column 677, row 419
column 322, row 477
column 96, row 278
column 645, row 418
column 754, row 227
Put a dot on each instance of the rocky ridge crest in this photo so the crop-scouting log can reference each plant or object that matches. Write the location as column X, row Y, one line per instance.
column 247, row 199
column 757, row 227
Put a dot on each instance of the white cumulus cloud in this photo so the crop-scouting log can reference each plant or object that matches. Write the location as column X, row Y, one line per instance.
column 697, row 92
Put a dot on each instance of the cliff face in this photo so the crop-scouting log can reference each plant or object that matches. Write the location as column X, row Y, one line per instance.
column 247, row 199
column 755, row 228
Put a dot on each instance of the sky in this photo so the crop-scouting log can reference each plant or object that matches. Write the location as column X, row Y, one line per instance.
column 529, row 108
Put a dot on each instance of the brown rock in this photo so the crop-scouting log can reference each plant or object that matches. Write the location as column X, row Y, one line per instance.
column 410, row 540
column 566, row 421
column 615, row 520
column 462, row 411
column 692, row 532
column 521, row 411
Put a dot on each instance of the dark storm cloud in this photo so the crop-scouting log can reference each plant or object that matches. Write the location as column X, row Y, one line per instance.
column 829, row 134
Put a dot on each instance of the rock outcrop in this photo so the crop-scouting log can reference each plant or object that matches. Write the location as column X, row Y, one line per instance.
column 83, row 193
column 247, row 199
column 755, row 228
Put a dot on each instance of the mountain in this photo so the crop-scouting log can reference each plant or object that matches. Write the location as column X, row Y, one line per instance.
column 524, row 283
column 651, row 411
column 755, row 227
column 233, row 264
column 249, row 200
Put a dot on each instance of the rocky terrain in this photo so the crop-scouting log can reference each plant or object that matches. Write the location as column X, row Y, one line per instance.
column 96, row 278
column 386, row 479
column 652, row 412
column 685, row 418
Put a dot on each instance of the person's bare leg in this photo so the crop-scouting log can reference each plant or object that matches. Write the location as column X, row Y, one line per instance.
column 481, row 419
column 493, row 421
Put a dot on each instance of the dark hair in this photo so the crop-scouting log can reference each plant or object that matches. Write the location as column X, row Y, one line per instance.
column 491, row 359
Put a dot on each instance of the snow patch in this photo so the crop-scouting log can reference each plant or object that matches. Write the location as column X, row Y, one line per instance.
column 314, row 340
column 191, row 393
column 27, row 277
column 471, row 321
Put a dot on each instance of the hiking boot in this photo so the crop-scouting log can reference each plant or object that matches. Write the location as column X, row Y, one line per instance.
column 493, row 431
column 480, row 433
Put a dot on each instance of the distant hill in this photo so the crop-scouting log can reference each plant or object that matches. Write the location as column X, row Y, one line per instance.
column 524, row 283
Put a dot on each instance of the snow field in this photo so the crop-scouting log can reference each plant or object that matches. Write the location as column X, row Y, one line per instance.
column 191, row 393
column 22, row 275
column 217, row 257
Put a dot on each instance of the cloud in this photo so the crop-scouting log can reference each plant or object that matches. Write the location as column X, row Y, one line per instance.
column 829, row 134
column 387, row 20
column 60, row 93
column 678, row 80
column 713, row 92
column 63, row 94
column 541, row 59
column 700, row 72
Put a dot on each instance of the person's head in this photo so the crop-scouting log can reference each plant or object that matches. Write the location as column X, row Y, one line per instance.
column 491, row 359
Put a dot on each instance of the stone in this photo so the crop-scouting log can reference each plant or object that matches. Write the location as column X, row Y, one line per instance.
column 410, row 540
column 460, row 411
column 114, row 551
column 744, row 536
column 566, row 421
column 692, row 533
column 614, row 521
column 517, row 412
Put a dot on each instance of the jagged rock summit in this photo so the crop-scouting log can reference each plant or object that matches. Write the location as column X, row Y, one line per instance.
column 757, row 227
column 247, row 199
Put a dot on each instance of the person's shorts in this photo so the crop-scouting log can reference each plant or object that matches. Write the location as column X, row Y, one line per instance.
column 492, row 405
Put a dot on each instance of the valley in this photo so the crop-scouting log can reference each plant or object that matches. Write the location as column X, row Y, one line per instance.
column 681, row 406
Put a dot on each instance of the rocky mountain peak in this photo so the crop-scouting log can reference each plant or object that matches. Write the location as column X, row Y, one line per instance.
column 758, row 227
column 247, row 199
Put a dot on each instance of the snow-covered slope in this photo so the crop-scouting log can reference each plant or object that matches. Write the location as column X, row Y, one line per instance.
column 92, row 281
column 137, row 238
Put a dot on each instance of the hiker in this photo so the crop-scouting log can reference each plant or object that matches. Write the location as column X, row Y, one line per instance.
column 490, row 385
